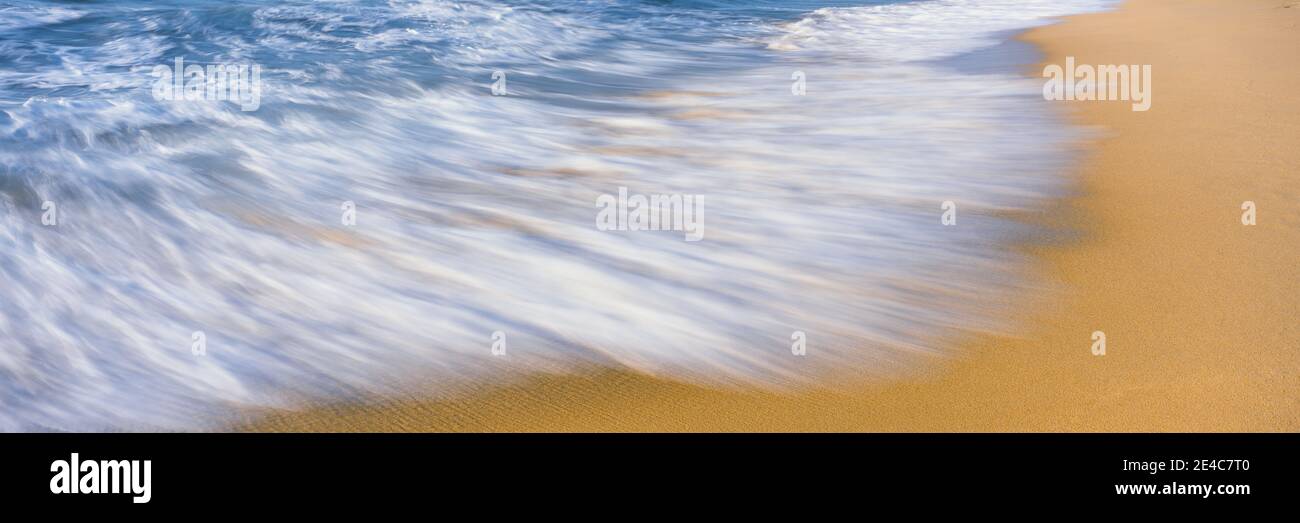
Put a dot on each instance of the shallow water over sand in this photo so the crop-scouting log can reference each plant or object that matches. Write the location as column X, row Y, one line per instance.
column 475, row 213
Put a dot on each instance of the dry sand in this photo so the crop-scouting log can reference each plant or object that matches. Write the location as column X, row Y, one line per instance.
column 1200, row 311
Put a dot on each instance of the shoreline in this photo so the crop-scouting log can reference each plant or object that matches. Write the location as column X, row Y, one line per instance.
column 1198, row 309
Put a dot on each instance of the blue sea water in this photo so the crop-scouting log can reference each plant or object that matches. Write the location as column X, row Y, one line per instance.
column 475, row 213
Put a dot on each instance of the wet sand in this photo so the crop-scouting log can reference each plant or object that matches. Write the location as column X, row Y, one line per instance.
column 1201, row 313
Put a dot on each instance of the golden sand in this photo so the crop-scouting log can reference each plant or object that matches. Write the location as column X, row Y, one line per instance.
column 1200, row 311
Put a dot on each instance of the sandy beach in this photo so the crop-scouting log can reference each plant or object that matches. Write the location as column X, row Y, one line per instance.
column 1199, row 311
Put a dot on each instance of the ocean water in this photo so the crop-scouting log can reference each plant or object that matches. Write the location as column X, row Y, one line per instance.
column 475, row 214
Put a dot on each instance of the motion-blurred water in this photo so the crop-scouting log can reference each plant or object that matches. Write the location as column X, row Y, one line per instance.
column 476, row 213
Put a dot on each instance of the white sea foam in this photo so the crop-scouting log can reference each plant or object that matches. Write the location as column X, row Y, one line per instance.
column 476, row 213
column 922, row 30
